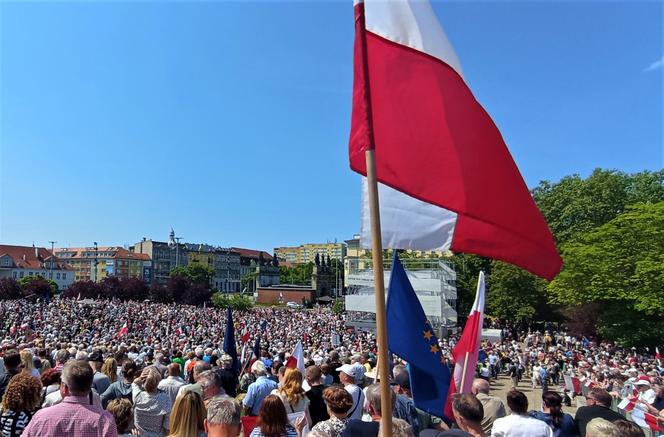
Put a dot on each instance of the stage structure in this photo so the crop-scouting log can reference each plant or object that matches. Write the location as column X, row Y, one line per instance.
column 434, row 281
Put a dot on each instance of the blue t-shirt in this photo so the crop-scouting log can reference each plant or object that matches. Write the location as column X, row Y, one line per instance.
column 567, row 426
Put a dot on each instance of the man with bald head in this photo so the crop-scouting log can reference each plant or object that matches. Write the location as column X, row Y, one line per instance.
column 493, row 406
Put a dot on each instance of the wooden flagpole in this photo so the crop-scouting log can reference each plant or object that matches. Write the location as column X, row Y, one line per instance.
column 463, row 375
column 379, row 288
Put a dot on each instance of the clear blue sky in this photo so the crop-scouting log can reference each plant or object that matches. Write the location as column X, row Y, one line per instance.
column 229, row 120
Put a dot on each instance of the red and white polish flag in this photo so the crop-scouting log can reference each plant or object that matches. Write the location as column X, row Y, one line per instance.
column 466, row 351
column 122, row 330
column 446, row 178
column 296, row 360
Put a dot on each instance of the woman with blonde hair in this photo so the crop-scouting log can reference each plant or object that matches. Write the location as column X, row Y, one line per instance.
column 152, row 408
column 188, row 416
column 19, row 403
column 28, row 364
column 291, row 392
column 110, row 369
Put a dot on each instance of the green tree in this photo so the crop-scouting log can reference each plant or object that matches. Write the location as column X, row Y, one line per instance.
column 300, row 274
column 574, row 206
column 516, row 295
column 37, row 286
column 467, row 269
column 195, row 272
column 621, row 265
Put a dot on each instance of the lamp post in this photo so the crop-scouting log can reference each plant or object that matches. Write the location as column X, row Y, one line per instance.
column 94, row 264
column 50, row 275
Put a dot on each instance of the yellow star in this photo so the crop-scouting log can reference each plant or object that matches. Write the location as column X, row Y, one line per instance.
column 435, row 349
column 428, row 334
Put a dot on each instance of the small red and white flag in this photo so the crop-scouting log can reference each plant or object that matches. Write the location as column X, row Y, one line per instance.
column 657, row 354
column 122, row 330
column 639, row 415
column 296, row 360
column 446, row 178
column 245, row 336
column 466, row 351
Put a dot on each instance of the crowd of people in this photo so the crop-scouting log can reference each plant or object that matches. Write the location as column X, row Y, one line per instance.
column 93, row 368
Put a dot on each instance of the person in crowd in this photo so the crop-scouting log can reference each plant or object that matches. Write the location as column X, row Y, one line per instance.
column 518, row 423
column 358, row 428
column 347, row 377
column 160, row 364
column 273, row 420
column 151, row 407
column 45, row 363
column 598, row 404
column 228, row 376
column 100, row 382
column 404, row 407
column 28, row 363
column 172, row 383
column 334, row 363
column 326, row 377
column 223, row 418
column 258, row 390
column 646, row 393
column 493, row 406
column 291, row 392
column 122, row 411
column 19, row 403
column 552, row 414
column 210, row 384
column 12, row 366
column 110, row 369
column 468, row 414
column 338, row 402
column 197, row 367
column 121, row 388
column 400, row 428
column 61, row 357
column 317, row 407
column 188, row 416
column 599, row 427
column 627, row 428
column 76, row 415
column 50, row 380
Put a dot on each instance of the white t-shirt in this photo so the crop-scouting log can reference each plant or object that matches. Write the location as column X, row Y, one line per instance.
column 356, row 393
column 516, row 425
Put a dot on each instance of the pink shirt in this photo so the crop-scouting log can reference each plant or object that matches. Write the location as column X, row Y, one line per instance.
column 74, row 416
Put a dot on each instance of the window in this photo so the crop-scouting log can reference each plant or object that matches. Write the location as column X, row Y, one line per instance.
column 20, row 275
column 50, row 275
column 30, row 273
column 14, row 275
column 64, row 276
column 57, row 276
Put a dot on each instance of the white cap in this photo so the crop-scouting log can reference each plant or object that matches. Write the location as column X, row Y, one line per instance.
column 348, row 370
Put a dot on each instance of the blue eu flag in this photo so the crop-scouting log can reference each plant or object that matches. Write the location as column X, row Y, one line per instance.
column 411, row 337
column 229, row 340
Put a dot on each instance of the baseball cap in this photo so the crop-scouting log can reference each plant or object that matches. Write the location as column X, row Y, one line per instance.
column 643, row 380
column 348, row 370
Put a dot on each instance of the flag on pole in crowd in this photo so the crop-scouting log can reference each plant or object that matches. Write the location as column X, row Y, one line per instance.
column 467, row 349
column 640, row 416
column 658, row 357
column 245, row 336
column 122, row 330
column 296, row 360
column 229, row 339
column 411, row 337
column 573, row 384
column 446, row 178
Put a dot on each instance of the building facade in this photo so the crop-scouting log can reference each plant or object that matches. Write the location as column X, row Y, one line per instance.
column 257, row 269
column 306, row 253
column 20, row 262
column 96, row 263
column 225, row 263
column 165, row 257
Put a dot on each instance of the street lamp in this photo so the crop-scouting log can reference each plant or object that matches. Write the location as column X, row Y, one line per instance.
column 95, row 260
